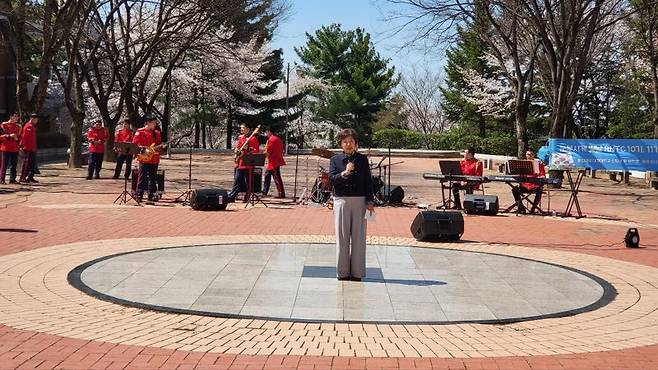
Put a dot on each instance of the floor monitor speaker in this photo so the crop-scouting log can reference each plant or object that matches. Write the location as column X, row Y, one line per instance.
column 438, row 225
column 481, row 204
column 396, row 195
column 209, row 199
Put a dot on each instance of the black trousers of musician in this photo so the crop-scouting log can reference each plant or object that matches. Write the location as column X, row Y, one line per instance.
column 240, row 178
column 9, row 160
column 146, row 179
column 95, row 165
column 29, row 166
column 278, row 182
column 467, row 188
column 517, row 191
column 121, row 158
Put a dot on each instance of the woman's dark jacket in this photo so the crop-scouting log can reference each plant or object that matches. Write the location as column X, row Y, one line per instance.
column 358, row 183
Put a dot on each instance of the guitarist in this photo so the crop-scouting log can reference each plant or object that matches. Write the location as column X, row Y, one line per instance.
column 148, row 168
column 244, row 144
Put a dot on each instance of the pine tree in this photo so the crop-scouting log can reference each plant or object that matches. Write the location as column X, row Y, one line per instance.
column 360, row 79
column 468, row 54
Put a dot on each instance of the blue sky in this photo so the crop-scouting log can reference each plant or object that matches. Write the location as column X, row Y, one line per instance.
column 310, row 15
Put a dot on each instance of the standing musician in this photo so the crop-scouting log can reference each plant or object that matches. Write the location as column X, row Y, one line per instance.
column 274, row 152
column 97, row 136
column 28, row 144
column 243, row 145
column 469, row 167
column 528, row 187
column 123, row 135
column 149, row 141
column 11, row 133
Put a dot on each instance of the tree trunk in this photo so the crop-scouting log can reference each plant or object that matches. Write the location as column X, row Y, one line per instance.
column 521, row 130
column 75, row 156
column 22, row 98
column 203, row 133
column 197, row 134
column 229, row 129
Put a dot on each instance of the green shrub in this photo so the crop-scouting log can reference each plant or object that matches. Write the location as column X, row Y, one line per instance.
column 499, row 144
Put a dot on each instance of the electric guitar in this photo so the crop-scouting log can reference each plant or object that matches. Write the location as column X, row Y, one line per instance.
column 146, row 153
column 240, row 151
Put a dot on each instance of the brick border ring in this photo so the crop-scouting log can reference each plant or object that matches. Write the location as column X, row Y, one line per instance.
column 35, row 295
column 74, row 278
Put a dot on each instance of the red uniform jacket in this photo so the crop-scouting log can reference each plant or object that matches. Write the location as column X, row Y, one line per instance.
column 123, row 136
column 7, row 143
column 472, row 168
column 28, row 141
column 97, row 138
column 252, row 148
column 274, row 151
column 542, row 173
column 146, row 137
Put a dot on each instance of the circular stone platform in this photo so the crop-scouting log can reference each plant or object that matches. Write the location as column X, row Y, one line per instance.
column 298, row 282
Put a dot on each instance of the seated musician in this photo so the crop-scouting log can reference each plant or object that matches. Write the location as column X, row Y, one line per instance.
column 469, row 167
column 528, row 187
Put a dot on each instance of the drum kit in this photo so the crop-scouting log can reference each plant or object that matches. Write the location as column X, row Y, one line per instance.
column 321, row 190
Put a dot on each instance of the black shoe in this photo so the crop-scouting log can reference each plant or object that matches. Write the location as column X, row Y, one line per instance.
column 344, row 278
column 355, row 278
column 115, row 177
column 97, row 177
column 88, row 178
column 33, row 181
column 13, row 182
column 2, row 182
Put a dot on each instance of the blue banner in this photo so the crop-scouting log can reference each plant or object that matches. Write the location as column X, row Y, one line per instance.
column 604, row 154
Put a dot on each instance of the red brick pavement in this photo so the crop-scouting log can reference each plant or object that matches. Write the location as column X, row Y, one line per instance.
column 30, row 350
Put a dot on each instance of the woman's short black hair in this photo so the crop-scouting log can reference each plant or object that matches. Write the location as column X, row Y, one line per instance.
column 345, row 133
column 471, row 150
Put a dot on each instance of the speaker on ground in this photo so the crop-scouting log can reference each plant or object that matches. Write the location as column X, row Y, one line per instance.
column 396, row 195
column 481, row 204
column 209, row 199
column 438, row 225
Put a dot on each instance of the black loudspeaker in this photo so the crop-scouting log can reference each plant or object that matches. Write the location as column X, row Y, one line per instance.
column 209, row 199
column 481, row 204
column 159, row 177
column 396, row 196
column 438, row 225
column 632, row 238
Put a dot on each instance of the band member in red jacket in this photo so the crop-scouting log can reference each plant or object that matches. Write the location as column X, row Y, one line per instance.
column 97, row 136
column 147, row 139
column 28, row 144
column 10, row 135
column 241, row 171
column 123, row 135
column 274, row 152
column 529, row 187
column 470, row 167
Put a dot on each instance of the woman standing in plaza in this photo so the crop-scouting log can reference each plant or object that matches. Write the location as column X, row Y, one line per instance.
column 349, row 173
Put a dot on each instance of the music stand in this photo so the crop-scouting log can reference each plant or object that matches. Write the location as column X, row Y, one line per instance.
column 251, row 161
column 520, row 167
column 449, row 168
column 126, row 148
column 452, row 168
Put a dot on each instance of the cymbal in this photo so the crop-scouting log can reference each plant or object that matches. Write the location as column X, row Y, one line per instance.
column 321, row 152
